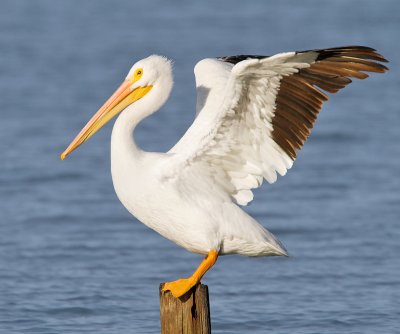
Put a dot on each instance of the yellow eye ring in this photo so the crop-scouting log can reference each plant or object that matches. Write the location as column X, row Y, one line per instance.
column 138, row 74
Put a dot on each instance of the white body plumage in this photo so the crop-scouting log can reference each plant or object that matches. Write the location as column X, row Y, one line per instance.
column 186, row 208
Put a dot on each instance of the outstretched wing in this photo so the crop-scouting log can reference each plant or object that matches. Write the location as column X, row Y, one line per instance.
column 255, row 112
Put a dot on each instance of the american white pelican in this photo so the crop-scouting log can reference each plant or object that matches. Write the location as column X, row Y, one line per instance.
column 253, row 114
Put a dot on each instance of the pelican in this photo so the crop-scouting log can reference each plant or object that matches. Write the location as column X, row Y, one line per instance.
column 253, row 114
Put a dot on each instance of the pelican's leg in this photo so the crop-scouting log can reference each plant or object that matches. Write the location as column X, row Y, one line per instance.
column 181, row 286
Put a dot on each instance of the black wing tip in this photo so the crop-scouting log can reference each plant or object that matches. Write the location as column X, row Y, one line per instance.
column 237, row 59
column 322, row 54
column 347, row 51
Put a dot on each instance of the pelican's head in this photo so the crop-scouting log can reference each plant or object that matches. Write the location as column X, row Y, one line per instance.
column 144, row 77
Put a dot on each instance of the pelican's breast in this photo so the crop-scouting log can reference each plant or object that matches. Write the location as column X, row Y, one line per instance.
column 160, row 205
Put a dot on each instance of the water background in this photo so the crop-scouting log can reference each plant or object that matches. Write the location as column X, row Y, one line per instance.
column 73, row 260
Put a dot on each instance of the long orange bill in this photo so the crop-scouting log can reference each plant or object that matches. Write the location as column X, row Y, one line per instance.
column 123, row 96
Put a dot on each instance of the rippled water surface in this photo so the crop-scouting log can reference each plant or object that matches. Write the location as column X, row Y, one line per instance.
column 72, row 259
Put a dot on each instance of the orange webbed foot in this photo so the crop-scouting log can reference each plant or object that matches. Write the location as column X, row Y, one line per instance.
column 179, row 287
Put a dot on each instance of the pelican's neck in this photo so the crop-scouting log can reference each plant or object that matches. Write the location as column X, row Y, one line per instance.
column 122, row 140
column 123, row 146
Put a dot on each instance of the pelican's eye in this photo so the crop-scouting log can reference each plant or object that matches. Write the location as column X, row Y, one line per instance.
column 138, row 74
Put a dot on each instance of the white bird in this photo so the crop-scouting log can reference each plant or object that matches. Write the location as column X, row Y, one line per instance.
column 253, row 114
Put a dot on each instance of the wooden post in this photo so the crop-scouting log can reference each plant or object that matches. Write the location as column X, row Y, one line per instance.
column 189, row 314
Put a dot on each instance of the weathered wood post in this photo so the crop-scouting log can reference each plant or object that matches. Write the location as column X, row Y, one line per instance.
column 189, row 314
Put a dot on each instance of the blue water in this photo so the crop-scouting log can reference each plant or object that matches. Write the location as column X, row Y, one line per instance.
column 72, row 259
